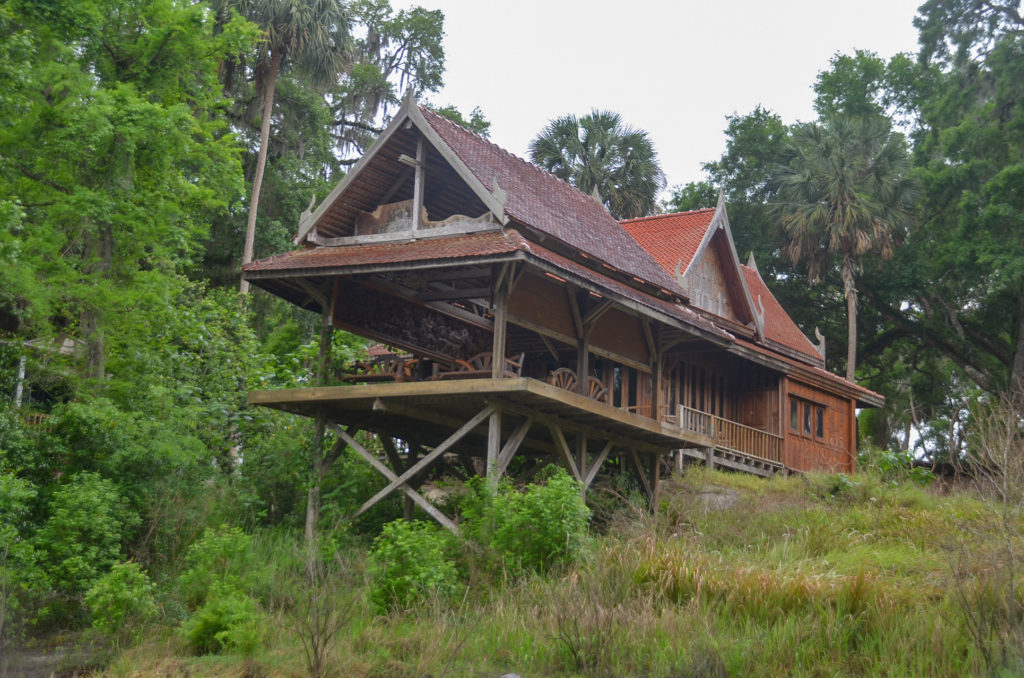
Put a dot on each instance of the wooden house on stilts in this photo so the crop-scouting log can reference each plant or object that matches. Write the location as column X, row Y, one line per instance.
column 526, row 322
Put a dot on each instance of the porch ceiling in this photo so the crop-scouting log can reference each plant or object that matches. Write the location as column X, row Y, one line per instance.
column 428, row 412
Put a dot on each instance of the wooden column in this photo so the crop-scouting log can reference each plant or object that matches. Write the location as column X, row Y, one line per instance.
column 498, row 349
column 417, row 187
column 317, row 466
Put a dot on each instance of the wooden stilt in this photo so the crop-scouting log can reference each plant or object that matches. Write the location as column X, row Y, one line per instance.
column 415, row 496
column 425, row 461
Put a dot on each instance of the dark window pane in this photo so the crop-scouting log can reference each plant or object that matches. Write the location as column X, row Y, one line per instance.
column 807, row 418
column 821, row 422
column 794, row 414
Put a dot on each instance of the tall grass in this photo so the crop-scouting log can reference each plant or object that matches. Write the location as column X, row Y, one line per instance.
column 794, row 577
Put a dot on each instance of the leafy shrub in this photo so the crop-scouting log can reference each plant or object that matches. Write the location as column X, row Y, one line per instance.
column 81, row 539
column 531, row 530
column 121, row 602
column 221, row 558
column 227, row 621
column 409, row 563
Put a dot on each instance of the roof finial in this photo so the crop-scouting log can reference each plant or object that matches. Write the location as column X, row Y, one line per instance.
column 820, row 348
column 751, row 264
column 596, row 195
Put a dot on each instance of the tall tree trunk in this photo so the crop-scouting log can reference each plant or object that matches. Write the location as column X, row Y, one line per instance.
column 850, row 291
column 261, row 162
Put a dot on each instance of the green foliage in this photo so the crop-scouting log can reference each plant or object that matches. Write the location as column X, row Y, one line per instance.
column 410, row 563
column 476, row 122
column 227, row 621
column 82, row 537
column 221, row 561
column 534, row 529
column 598, row 152
column 896, row 466
column 693, row 196
column 21, row 579
column 122, row 602
column 401, row 52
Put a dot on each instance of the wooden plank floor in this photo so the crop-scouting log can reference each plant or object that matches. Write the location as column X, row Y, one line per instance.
column 428, row 411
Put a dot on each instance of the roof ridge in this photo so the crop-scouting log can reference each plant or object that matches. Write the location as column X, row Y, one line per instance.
column 512, row 155
column 667, row 214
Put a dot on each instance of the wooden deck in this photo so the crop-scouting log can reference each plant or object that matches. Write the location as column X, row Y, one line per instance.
column 429, row 411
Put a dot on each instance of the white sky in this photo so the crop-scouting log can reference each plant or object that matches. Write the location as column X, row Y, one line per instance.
column 674, row 69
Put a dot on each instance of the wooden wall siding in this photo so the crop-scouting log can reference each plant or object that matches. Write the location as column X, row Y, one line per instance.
column 707, row 285
column 409, row 326
column 542, row 303
column 707, row 385
column 620, row 334
column 745, row 393
column 835, row 450
column 628, row 388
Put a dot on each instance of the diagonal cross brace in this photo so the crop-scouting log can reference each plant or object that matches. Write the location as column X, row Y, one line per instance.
column 420, row 500
column 427, row 460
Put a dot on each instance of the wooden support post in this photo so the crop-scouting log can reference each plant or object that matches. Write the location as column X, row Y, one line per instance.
column 655, row 478
column 318, row 462
column 493, row 445
column 420, row 500
column 425, row 461
column 417, row 187
column 642, row 475
column 710, row 456
column 583, row 362
column 500, row 328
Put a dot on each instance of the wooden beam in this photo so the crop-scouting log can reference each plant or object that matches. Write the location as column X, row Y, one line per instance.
column 425, row 461
column 317, row 295
column 549, row 346
column 420, row 500
column 563, row 449
column 596, row 465
column 458, row 274
column 454, row 293
column 417, row 187
column 402, row 178
column 642, row 475
column 594, row 314
column 577, row 319
column 500, row 336
column 512, row 445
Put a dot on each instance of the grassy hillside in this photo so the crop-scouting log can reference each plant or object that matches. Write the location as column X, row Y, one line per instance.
column 735, row 576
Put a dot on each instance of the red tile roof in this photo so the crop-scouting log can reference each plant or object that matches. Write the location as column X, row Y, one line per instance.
column 671, row 238
column 540, row 200
column 778, row 326
column 674, row 238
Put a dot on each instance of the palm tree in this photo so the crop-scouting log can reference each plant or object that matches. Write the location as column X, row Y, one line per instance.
column 843, row 194
column 600, row 155
column 313, row 35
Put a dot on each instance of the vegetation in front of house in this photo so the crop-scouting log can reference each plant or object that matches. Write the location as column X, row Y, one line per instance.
column 817, row 575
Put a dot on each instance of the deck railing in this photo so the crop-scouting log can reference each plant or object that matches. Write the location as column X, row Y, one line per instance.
column 732, row 435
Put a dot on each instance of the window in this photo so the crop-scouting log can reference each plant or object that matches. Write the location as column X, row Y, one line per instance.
column 812, row 423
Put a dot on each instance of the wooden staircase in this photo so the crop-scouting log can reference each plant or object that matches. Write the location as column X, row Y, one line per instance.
column 734, row 460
